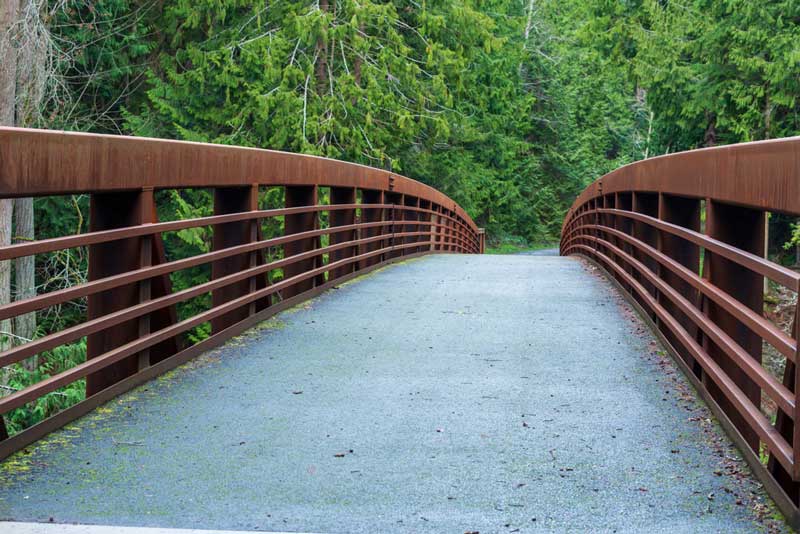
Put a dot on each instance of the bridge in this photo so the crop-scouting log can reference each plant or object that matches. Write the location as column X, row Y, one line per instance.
column 368, row 369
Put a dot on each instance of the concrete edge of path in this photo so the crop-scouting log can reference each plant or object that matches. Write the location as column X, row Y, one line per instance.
column 60, row 528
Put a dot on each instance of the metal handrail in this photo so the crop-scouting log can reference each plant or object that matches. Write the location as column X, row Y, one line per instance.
column 683, row 237
column 131, row 324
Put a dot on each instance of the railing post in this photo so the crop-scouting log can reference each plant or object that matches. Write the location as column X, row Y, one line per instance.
column 428, row 218
column 394, row 215
column 255, row 258
column 607, row 221
column 595, row 206
column 118, row 210
column 412, row 216
column 457, row 236
column 107, row 211
column 462, row 235
column 434, row 234
column 438, row 230
column 301, row 195
column 647, row 204
column 624, row 201
column 794, row 368
column 147, row 208
column 422, row 218
column 233, row 200
column 448, row 231
column 342, row 217
column 786, row 424
column 684, row 212
column 371, row 215
column 744, row 229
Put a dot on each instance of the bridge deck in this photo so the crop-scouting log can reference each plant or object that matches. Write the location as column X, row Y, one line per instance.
column 462, row 393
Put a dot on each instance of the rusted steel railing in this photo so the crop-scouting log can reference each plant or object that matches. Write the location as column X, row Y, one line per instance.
column 684, row 236
column 132, row 329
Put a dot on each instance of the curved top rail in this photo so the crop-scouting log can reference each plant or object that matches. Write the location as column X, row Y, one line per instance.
column 696, row 271
column 763, row 175
column 47, row 162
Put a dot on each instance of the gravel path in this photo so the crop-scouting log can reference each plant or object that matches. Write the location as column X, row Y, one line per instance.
column 447, row 394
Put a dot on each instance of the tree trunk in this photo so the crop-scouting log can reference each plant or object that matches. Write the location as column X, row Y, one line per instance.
column 12, row 87
column 322, row 56
column 24, row 268
column 8, row 86
column 25, row 325
column 710, row 136
column 6, row 209
column 528, row 24
column 767, row 113
column 357, row 63
column 8, row 65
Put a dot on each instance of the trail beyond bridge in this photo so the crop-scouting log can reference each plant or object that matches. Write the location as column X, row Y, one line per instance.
column 322, row 346
column 452, row 394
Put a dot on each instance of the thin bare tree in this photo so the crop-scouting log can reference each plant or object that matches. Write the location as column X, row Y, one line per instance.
column 9, row 10
column 29, row 77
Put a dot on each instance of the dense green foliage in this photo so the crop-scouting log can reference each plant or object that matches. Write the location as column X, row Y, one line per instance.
column 50, row 363
column 510, row 107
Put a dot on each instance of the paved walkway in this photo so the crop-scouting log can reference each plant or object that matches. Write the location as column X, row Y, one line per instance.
column 448, row 394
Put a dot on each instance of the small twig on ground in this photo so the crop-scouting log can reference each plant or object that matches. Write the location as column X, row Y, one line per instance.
column 130, row 443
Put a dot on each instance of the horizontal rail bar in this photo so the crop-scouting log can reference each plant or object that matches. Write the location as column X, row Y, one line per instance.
column 642, row 224
column 782, row 275
column 776, row 390
column 110, row 282
column 36, row 346
column 757, row 323
column 46, row 162
column 18, row 250
column 19, row 398
column 37, row 431
column 775, row 442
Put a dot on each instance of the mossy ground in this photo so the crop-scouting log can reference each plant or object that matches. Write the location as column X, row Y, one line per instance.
column 20, row 463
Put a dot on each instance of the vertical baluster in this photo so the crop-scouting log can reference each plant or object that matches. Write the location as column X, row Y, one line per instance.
column 109, row 211
column 342, row 217
column 684, row 212
column 624, row 201
column 786, row 425
column 794, row 368
column 607, row 221
column 450, row 232
column 394, row 215
column 371, row 215
column 255, row 255
column 744, row 229
column 411, row 216
column 229, row 200
column 647, row 204
column 426, row 217
column 293, row 224
column 147, row 207
column 439, row 231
